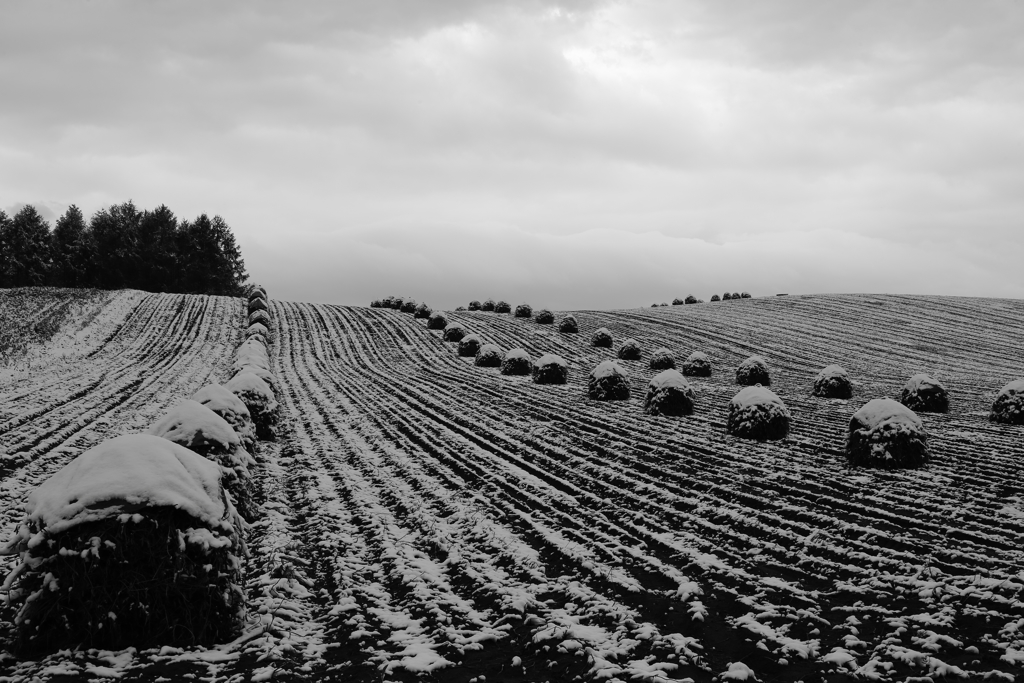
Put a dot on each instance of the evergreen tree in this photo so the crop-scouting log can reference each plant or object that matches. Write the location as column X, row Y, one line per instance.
column 26, row 249
column 158, row 251
column 115, row 231
column 5, row 227
column 211, row 260
column 72, row 250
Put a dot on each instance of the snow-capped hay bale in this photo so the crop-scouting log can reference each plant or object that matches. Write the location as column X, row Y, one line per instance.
column 423, row 311
column 257, row 337
column 602, row 338
column 726, row 297
column 437, row 321
column 259, row 317
column 257, row 304
column 132, row 544
column 691, row 299
column 885, row 433
column 470, row 345
column 524, row 311
column 474, row 305
column 489, row 356
column 388, row 302
column 259, row 399
column 502, row 307
column 675, row 302
column 833, row 382
column 923, row 394
column 257, row 291
column 697, row 364
column 753, row 370
column 460, row 308
column 258, row 328
column 608, row 382
column 758, row 413
column 550, row 369
column 487, row 305
column 231, row 409
column 269, row 378
column 408, row 306
column 630, row 350
column 251, row 347
column 199, row 429
column 662, row 359
column 669, row 394
column 454, row 332
column 568, row 325
column 516, row 362
column 396, row 303
column 376, row 303
column 715, row 297
column 1008, row 408
column 736, row 295
column 745, row 295
column 544, row 317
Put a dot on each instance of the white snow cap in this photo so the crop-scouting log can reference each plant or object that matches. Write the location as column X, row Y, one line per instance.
column 669, row 379
column 251, row 346
column 551, row 359
column 696, row 355
column 832, row 371
column 922, row 382
column 471, row 338
column 266, row 376
column 489, row 349
column 192, row 425
column 755, row 396
column 1014, row 387
column 738, row 671
column 516, row 353
column 258, row 328
column 607, row 368
column 220, row 400
column 879, row 410
column 752, row 361
column 453, row 326
column 123, row 475
column 248, row 381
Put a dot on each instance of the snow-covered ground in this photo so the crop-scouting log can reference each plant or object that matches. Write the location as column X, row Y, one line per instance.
column 426, row 519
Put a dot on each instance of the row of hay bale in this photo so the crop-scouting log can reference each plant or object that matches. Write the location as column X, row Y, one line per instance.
column 140, row 541
column 420, row 310
column 691, row 299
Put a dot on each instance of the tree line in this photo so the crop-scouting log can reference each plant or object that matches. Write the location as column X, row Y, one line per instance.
column 121, row 247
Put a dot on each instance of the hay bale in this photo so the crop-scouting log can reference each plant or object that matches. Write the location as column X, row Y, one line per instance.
column 256, row 337
column 397, row 302
column 259, row 317
column 608, row 382
column 376, row 303
column 502, row 307
column 388, row 302
column 231, row 409
column 662, row 359
column 833, row 382
column 460, row 308
column 675, row 302
column 654, row 305
column 269, row 378
column 715, row 297
column 257, row 304
column 257, row 291
column 423, row 311
column 886, row 434
column 453, row 332
column 758, row 413
column 753, row 370
column 257, row 328
column 568, row 325
column 691, row 299
column 134, row 543
column 487, row 305
column 474, row 305
column 736, row 295
column 602, row 338
column 516, row 362
column 408, row 306
column 524, row 311
column 550, row 369
column 745, row 295
column 489, row 356
column 437, row 321
column 669, row 394
column 726, row 297
column 1008, row 408
column 199, row 429
column 663, row 304
column 470, row 345
column 630, row 350
column 697, row 364
column 259, row 399
column 544, row 317
column 922, row 394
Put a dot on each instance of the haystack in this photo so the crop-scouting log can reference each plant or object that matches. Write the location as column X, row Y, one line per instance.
column 474, row 305
column 396, row 303
column 524, row 311
column 608, row 382
column 388, row 302
column 544, row 317
column 697, row 364
column 470, row 345
column 568, row 325
column 502, row 307
column 662, row 359
column 269, row 378
column 437, row 321
column 736, row 295
column 423, row 311
column 675, row 302
column 199, row 429
column 922, row 394
column 257, row 304
column 376, row 303
column 134, row 543
column 258, row 328
column 726, row 297
column 691, row 299
column 487, row 305
column 231, row 409
column 257, row 291
column 259, row 317
column 715, row 297
column 408, row 306
column 489, row 356
column 745, row 295
column 833, row 382
column 669, row 394
column 550, row 369
column 454, row 332
column 758, row 413
column 257, row 337
column 516, row 362
column 630, row 350
column 886, row 434
column 1008, row 407
column 460, row 308
column 753, row 370
column 602, row 337
column 259, row 399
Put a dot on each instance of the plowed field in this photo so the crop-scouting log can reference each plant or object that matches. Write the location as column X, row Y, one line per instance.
column 425, row 519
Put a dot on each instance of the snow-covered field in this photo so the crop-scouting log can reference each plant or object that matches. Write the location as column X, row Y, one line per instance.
column 426, row 519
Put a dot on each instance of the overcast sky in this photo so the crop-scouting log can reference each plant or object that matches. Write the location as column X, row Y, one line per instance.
column 572, row 155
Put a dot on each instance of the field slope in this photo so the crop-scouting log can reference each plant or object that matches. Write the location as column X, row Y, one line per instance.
column 425, row 519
